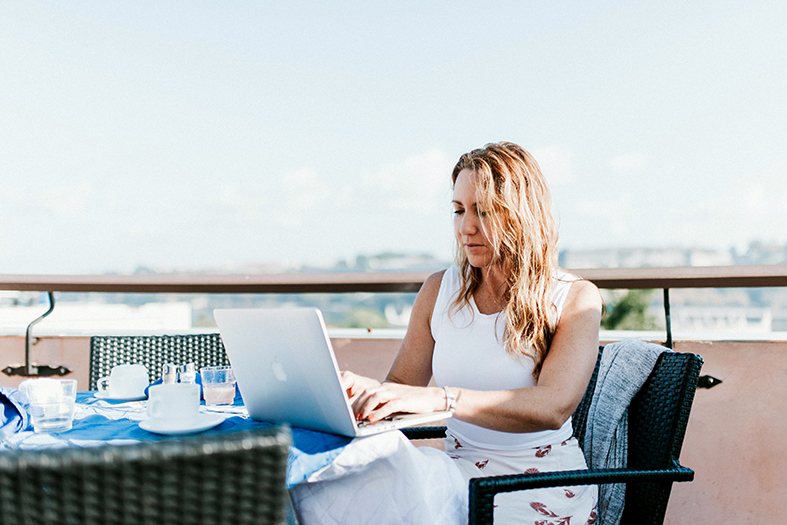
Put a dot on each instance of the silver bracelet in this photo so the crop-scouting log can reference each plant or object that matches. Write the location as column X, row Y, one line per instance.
column 451, row 399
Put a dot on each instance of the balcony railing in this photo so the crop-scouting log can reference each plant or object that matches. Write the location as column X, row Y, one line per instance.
column 625, row 278
column 610, row 278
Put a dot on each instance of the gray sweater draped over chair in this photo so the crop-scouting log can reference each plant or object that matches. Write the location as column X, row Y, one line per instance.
column 624, row 368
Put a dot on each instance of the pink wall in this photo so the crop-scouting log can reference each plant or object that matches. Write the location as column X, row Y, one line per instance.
column 735, row 437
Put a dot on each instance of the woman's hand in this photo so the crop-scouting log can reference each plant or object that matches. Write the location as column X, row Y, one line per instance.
column 355, row 385
column 380, row 401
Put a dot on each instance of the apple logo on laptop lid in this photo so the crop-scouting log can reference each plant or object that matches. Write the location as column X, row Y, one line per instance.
column 278, row 370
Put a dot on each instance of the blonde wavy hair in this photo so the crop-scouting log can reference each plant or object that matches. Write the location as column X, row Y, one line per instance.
column 513, row 194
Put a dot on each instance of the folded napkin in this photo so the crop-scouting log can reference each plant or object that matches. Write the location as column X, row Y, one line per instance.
column 14, row 416
column 198, row 381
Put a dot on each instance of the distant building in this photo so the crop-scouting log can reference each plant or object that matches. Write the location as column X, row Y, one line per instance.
column 98, row 317
column 761, row 253
column 398, row 262
column 721, row 319
column 645, row 257
column 700, row 257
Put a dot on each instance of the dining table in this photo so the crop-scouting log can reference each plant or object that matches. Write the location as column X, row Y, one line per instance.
column 98, row 421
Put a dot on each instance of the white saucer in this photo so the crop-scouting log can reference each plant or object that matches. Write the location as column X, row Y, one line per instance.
column 203, row 422
column 104, row 394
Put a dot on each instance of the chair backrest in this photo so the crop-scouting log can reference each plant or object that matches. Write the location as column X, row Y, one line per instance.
column 214, row 478
column 658, row 416
column 153, row 351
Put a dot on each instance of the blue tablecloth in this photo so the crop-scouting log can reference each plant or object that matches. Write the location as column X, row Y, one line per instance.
column 99, row 422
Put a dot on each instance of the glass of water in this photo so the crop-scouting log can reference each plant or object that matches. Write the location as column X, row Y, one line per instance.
column 52, row 403
column 218, row 385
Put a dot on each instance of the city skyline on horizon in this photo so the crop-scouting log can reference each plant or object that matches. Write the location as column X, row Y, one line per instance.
column 754, row 253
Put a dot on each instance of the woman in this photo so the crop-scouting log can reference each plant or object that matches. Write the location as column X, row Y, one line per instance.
column 510, row 341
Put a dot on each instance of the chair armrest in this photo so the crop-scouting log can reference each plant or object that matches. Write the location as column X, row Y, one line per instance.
column 424, row 432
column 483, row 490
column 514, row 482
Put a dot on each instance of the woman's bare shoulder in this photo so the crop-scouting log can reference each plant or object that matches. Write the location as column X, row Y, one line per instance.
column 434, row 280
column 582, row 295
column 427, row 295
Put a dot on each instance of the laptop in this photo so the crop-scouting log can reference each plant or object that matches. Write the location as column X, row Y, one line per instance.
column 287, row 373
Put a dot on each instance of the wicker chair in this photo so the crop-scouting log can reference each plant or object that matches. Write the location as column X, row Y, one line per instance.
column 215, row 478
column 658, row 416
column 153, row 351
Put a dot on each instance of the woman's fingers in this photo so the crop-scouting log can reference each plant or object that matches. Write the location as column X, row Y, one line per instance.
column 355, row 385
column 347, row 379
column 367, row 401
column 379, row 402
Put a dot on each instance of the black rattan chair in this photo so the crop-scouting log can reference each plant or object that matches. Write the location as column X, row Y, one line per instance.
column 658, row 416
column 153, row 351
column 216, row 478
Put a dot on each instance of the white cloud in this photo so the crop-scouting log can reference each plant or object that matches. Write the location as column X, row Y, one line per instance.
column 143, row 229
column 418, row 184
column 555, row 163
column 287, row 201
column 763, row 206
column 759, row 201
column 247, row 206
column 11, row 195
column 68, row 200
column 617, row 214
column 301, row 192
column 754, row 207
column 630, row 163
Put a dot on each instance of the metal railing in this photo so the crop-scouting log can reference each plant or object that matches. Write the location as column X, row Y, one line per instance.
column 628, row 278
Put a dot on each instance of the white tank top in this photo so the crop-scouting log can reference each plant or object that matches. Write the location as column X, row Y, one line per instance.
column 469, row 353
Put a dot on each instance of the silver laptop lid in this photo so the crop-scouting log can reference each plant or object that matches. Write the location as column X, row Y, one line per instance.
column 285, row 367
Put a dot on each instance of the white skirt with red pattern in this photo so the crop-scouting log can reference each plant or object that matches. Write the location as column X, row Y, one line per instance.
column 576, row 505
column 386, row 480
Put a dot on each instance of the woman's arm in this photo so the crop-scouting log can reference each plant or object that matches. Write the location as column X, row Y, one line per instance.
column 564, row 377
column 412, row 365
column 413, row 362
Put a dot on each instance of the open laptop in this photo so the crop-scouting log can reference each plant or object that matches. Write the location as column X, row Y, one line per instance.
column 287, row 372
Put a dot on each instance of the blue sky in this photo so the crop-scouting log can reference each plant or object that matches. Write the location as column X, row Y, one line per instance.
column 194, row 134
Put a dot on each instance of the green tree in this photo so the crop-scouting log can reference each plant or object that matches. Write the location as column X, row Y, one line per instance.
column 629, row 311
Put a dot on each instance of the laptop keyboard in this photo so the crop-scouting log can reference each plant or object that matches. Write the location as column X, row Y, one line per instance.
column 392, row 417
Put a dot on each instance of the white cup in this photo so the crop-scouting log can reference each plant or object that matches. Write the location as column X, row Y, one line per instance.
column 51, row 403
column 174, row 405
column 124, row 382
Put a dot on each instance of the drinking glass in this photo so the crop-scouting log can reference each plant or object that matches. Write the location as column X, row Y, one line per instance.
column 218, row 385
column 52, row 403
